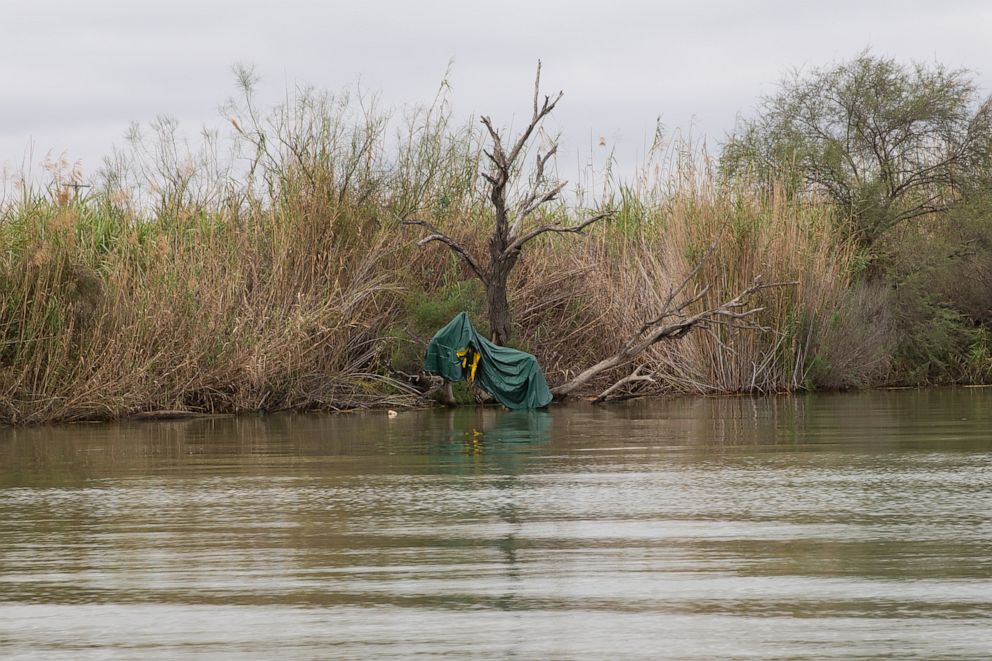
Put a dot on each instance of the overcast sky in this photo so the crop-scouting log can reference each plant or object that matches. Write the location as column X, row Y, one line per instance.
column 75, row 74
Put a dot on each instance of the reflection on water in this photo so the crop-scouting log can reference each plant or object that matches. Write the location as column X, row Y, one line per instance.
column 826, row 526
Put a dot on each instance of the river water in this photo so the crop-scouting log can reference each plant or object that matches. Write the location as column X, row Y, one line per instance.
column 826, row 526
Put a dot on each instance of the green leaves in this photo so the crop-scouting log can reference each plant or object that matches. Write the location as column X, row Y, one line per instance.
column 886, row 142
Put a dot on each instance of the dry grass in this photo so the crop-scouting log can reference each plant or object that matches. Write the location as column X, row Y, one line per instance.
column 577, row 301
column 177, row 287
column 202, row 316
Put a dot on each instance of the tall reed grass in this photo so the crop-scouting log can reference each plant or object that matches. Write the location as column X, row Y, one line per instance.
column 581, row 300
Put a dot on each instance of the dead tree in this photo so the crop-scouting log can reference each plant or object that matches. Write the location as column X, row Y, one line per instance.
column 511, row 230
column 674, row 321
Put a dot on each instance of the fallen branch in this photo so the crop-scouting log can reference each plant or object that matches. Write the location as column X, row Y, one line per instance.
column 634, row 377
column 428, row 385
column 731, row 312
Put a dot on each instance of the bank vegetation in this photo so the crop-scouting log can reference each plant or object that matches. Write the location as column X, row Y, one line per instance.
column 270, row 268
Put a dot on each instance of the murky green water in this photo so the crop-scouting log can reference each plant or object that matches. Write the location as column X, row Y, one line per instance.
column 826, row 526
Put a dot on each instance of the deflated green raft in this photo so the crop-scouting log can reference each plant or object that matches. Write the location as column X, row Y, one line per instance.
column 513, row 377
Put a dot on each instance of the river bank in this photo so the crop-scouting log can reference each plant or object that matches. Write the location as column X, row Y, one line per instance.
column 177, row 284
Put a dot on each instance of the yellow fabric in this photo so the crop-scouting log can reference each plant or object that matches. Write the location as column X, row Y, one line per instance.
column 468, row 355
column 475, row 364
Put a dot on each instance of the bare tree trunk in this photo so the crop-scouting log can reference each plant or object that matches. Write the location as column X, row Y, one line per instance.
column 499, row 271
column 500, row 264
column 499, row 310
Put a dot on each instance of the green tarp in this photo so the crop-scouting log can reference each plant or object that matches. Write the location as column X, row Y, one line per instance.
column 512, row 377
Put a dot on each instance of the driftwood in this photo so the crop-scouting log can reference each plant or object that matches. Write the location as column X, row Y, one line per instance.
column 511, row 230
column 428, row 386
column 633, row 377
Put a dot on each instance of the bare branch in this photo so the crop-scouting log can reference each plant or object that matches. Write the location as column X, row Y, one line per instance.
column 668, row 312
column 535, row 198
column 543, row 112
column 554, row 227
column 498, row 156
column 438, row 235
column 540, row 112
column 537, row 86
column 504, row 168
column 634, row 377
column 538, row 200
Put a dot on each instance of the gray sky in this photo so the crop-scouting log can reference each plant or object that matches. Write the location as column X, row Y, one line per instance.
column 75, row 74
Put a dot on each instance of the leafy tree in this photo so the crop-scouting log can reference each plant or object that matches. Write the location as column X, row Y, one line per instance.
column 886, row 142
